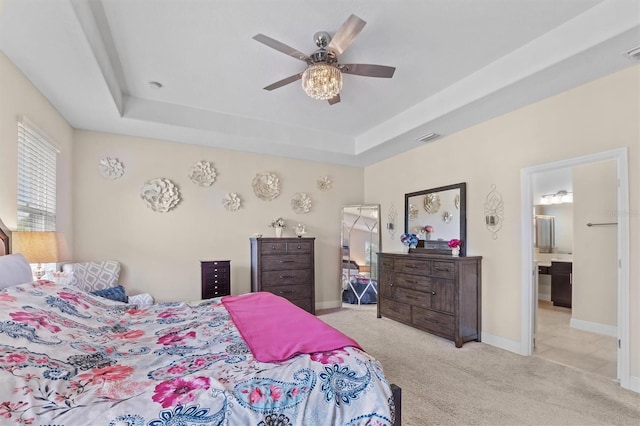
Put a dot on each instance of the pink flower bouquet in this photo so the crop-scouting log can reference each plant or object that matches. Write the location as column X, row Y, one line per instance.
column 455, row 243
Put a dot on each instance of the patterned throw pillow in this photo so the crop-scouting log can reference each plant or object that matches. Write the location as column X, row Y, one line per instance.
column 91, row 276
column 116, row 293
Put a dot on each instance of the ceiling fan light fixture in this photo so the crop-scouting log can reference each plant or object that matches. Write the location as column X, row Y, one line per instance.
column 322, row 81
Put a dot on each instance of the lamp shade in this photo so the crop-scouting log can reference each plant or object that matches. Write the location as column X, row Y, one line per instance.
column 38, row 247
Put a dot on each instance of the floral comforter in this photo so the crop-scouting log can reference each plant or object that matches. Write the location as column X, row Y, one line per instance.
column 69, row 358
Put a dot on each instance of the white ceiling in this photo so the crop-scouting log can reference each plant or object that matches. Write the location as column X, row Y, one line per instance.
column 458, row 62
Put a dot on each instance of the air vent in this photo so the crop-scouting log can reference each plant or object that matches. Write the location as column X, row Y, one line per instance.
column 633, row 54
column 428, row 137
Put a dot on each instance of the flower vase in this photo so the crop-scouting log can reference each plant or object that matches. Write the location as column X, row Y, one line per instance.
column 278, row 232
column 455, row 251
column 405, row 249
column 428, row 236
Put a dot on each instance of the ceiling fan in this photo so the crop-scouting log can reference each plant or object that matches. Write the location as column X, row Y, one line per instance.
column 322, row 79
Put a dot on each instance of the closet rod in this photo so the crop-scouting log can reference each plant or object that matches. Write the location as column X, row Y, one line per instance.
column 602, row 224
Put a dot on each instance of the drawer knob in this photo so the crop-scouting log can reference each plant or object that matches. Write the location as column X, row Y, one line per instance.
column 433, row 293
column 286, row 261
column 285, row 292
column 273, row 247
column 285, row 276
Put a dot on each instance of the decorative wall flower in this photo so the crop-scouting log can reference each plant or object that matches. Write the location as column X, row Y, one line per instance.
column 324, row 183
column 111, row 168
column 232, row 202
column 301, row 202
column 160, row 195
column 202, row 173
column 266, row 186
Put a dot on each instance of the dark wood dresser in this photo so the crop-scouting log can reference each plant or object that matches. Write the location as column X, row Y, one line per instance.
column 216, row 278
column 285, row 266
column 439, row 294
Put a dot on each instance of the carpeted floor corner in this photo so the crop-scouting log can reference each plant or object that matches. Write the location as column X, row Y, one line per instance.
column 480, row 384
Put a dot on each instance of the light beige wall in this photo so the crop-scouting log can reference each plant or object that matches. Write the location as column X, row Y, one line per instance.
column 595, row 117
column 595, row 255
column 161, row 252
column 19, row 97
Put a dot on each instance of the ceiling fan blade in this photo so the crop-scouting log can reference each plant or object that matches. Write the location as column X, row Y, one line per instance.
column 335, row 99
column 275, row 44
column 368, row 70
column 345, row 35
column 284, row 82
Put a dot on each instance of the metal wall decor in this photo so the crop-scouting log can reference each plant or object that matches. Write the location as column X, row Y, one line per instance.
column 111, row 168
column 266, row 186
column 232, row 202
column 301, row 202
column 392, row 216
column 432, row 203
column 202, row 173
column 493, row 211
column 324, row 183
column 160, row 195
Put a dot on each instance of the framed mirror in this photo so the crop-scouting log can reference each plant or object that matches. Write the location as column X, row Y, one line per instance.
column 360, row 244
column 436, row 216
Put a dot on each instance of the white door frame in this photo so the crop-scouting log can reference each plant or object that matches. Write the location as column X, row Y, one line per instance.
column 528, row 272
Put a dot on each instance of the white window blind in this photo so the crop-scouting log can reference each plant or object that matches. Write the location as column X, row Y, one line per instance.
column 36, row 179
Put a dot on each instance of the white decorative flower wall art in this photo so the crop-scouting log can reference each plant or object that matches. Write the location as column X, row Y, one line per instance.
column 301, row 202
column 160, row 195
column 232, row 202
column 324, row 183
column 202, row 173
column 111, row 168
column 266, row 186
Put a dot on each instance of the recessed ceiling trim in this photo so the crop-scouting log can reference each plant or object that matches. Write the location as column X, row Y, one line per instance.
column 93, row 21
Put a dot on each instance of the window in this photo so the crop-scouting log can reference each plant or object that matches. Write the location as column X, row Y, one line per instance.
column 36, row 179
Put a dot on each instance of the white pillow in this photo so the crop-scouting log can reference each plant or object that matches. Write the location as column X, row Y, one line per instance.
column 14, row 270
column 142, row 299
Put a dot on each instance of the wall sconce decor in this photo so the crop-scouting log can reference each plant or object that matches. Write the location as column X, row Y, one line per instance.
column 392, row 215
column 493, row 211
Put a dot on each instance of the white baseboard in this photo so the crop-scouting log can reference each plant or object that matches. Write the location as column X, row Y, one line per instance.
column 634, row 384
column 594, row 327
column 329, row 305
column 502, row 343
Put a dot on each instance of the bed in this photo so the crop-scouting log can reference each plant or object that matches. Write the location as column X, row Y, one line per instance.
column 71, row 358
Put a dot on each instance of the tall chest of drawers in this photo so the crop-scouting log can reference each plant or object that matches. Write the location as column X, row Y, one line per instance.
column 285, row 267
column 436, row 293
column 215, row 278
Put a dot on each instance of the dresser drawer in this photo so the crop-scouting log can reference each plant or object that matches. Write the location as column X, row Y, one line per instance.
column 284, row 262
column 290, row 292
column 412, row 297
column 443, row 269
column 216, row 290
column 414, row 266
column 415, row 282
column 387, row 262
column 392, row 309
column 279, row 247
column 435, row 322
column 303, row 304
column 292, row 276
column 300, row 247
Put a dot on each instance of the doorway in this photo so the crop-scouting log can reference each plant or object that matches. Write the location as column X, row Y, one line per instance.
column 530, row 270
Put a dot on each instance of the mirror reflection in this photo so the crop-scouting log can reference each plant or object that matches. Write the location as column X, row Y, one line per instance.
column 436, row 216
column 360, row 245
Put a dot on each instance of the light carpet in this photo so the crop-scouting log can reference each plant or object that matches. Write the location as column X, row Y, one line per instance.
column 480, row 384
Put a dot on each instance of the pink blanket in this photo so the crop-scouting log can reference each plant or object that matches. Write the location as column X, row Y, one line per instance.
column 276, row 330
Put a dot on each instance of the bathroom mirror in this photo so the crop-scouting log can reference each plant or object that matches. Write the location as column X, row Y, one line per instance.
column 436, row 216
column 360, row 244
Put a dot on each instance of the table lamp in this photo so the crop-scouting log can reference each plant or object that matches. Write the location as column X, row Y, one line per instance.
column 38, row 247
